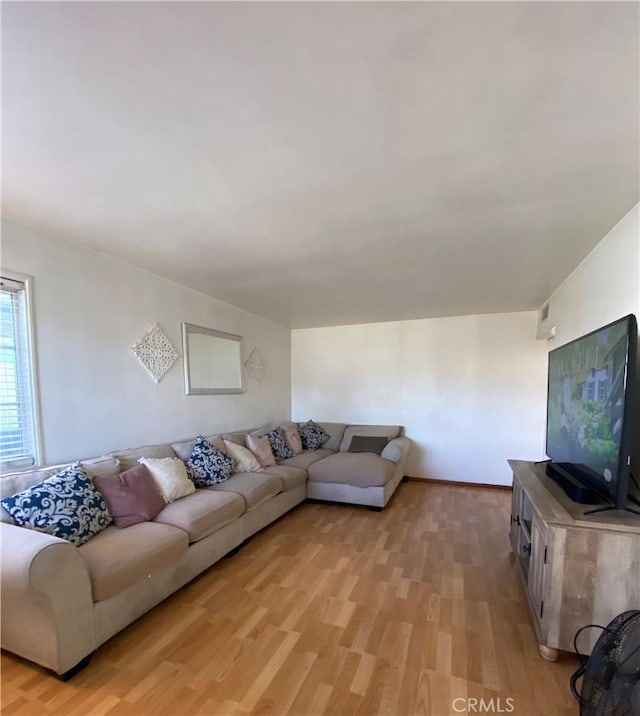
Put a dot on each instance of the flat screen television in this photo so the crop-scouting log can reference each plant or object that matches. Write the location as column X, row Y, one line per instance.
column 591, row 412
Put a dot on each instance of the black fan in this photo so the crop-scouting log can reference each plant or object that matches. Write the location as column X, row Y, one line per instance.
column 611, row 675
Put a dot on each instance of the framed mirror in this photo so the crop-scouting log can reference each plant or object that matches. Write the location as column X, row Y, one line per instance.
column 212, row 361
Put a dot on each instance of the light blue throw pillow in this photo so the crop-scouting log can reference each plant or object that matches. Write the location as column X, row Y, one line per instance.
column 66, row 505
column 208, row 465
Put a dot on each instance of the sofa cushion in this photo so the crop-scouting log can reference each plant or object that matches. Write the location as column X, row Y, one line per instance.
column 240, row 436
column 132, row 496
column 66, row 505
column 306, row 458
column 358, row 469
column 386, row 431
column 170, row 477
column 393, row 449
column 128, row 458
column 336, row 431
column 291, row 476
column 312, row 435
column 254, row 487
column 184, row 449
column 202, row 513
column 246, row 461
column 261, row 448
column 103, row 465
column 117, row 559
column 12, row 483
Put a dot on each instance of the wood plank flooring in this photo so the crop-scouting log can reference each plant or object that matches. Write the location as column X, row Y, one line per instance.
column 331, row 610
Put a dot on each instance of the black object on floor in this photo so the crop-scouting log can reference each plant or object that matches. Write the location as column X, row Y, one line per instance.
column 611, row 675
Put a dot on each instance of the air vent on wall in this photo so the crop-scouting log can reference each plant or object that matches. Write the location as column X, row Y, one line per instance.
column 545, row 330
column 544, row 312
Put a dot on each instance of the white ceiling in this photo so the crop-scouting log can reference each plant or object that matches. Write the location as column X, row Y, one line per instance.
column 328, row 163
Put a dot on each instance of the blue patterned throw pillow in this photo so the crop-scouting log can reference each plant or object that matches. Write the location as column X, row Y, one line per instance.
column 312, row 435
column 66, row 505
column 279, row 447
column 208, row 465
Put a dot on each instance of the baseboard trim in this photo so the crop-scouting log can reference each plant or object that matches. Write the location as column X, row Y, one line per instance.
column 456, row 483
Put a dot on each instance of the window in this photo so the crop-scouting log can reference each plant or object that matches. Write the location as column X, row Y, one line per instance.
column 19, row 440
column 602, row 390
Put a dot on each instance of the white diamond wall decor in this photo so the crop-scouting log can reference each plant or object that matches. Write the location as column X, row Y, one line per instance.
column 255, row 366
column 155, row 352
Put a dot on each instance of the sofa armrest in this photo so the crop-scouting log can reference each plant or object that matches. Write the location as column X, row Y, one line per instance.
column 47, row 606
column 396, row 450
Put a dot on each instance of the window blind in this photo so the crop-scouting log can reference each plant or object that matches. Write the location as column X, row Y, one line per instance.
column 17, row 427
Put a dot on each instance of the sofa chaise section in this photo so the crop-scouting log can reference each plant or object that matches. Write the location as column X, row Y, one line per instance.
column 361, row 478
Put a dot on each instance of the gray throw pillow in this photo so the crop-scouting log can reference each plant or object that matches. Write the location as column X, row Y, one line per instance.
column 368, row 443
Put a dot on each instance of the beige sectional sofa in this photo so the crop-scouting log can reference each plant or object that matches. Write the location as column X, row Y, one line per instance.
column 61, row 602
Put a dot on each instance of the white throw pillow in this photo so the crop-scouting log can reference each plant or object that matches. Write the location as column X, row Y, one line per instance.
column 170, row 476
column 245, row 459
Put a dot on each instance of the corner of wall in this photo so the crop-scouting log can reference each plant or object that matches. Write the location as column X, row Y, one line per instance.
column 604, row 287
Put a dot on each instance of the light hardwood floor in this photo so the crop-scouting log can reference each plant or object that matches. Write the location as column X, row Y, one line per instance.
column 331, row 610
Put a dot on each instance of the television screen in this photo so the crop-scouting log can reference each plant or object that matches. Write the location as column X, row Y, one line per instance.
column 588, row 380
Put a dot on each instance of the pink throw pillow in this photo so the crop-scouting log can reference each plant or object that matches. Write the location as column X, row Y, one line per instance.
column 292, row 438
column 131, row 496
column 261, row 448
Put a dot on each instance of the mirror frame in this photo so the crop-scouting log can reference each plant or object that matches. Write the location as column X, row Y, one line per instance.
column 190, row 329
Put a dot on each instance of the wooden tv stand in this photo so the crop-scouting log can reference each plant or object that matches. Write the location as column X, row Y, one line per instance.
column 576, row 570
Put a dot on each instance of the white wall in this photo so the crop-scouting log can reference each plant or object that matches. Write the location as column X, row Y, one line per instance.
column 95, row 397
column 604, row 287
column 470, row 390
